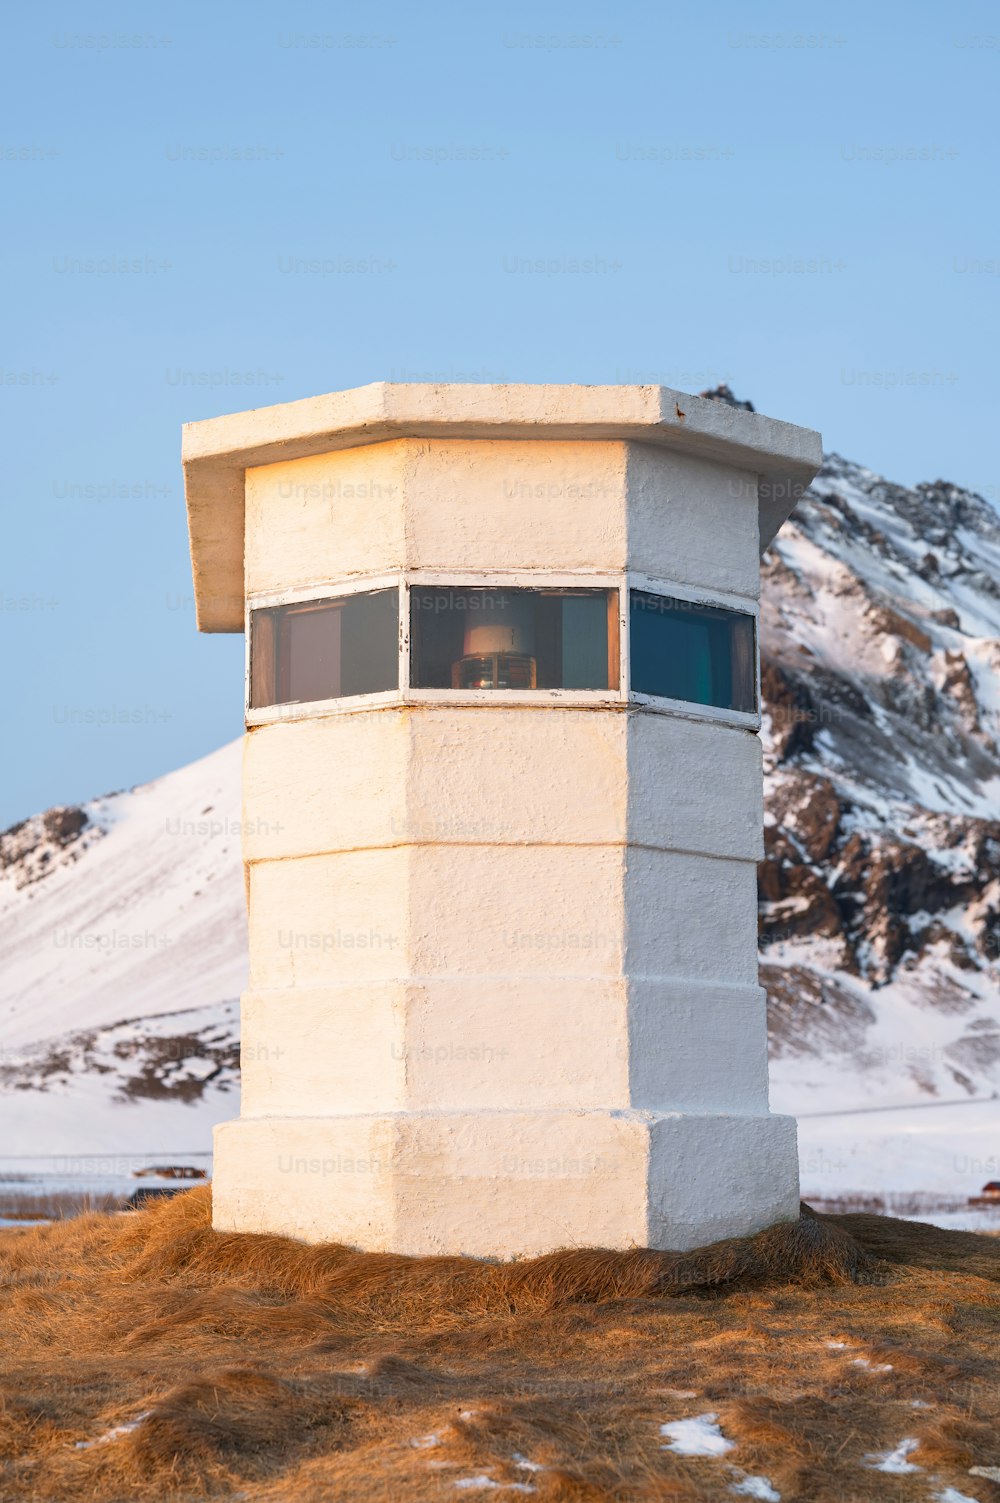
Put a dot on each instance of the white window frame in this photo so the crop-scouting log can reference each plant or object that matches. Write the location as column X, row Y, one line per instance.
column 622, row 698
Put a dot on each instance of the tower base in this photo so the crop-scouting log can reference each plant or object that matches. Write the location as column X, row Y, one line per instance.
column 506, row 1184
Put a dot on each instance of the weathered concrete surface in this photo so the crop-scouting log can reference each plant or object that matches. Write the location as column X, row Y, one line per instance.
column 489, row 1183
column 471, row 1043
column 447, row 503
column 470, row 913
column 656, row 780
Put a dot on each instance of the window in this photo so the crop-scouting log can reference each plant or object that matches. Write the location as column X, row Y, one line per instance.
column 324, row 649
column 479, row 637
column 474, row 638
column 697, row 653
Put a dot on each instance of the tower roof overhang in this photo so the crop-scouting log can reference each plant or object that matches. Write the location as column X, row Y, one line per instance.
column 218, row 451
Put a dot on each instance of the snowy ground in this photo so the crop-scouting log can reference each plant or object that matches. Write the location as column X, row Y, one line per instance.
column 95, row 1174
column 943, row 1152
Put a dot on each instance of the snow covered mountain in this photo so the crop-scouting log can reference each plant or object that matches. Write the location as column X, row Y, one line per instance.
column 122, row 957
column 880, row 894
column 122, row 930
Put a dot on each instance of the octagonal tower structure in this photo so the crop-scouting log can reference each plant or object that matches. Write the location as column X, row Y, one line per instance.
column 502, row 813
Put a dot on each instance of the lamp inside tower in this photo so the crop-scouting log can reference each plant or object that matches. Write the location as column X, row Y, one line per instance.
column 483, row 637
column 498, row 643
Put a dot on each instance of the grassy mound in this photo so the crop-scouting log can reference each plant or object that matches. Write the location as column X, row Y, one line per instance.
column 148, row 1357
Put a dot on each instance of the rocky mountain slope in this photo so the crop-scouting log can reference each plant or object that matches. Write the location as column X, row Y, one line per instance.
column 122, row 934
column 880, row 892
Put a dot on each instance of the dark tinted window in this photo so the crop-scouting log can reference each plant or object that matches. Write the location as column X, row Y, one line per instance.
column 324, row 649
column 698, row 653
column 471, row 638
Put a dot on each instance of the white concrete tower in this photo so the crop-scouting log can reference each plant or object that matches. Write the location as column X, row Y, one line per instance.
column 503, row 807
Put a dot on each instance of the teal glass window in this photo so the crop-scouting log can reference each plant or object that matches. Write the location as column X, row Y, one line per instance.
column 700, row 654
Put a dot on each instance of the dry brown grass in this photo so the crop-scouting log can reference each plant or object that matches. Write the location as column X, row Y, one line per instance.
column 272, row 1372
column 54, row 1205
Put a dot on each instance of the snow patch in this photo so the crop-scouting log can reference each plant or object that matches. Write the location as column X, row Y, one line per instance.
column 486, row 1483
column 114, row 1434
column 699, row 1436
column 756, row 1487
column 894, row 1462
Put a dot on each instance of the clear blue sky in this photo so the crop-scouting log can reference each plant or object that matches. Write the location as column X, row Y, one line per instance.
column 372, row 206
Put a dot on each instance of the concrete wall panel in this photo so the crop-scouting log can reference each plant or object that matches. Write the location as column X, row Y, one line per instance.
column 697, row 1048
column 509, row 910
column 691, row 917
column 314, row 786
column 692, row 520
column 309, row 1051
column 503, row 504
column 318, row 920
column 325, row 518
column 693, row 786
